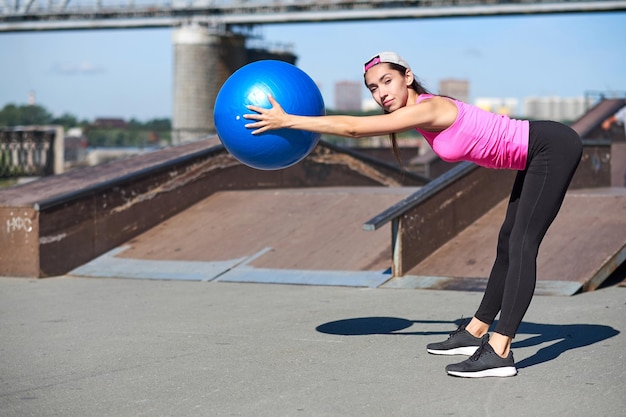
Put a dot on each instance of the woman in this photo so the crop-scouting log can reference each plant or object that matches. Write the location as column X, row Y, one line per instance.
column 544, row 153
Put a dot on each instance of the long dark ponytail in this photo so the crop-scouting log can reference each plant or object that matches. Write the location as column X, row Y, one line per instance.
column 419, row 89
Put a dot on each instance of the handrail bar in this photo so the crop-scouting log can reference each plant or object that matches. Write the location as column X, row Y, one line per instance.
column 419, row 196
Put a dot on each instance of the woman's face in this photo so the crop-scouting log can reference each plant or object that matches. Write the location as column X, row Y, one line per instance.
column 389, row 87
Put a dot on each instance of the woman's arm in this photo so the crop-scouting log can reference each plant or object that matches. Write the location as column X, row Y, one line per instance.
column 429, row 114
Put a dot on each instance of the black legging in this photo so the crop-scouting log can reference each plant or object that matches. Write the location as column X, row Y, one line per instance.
column 554, row 151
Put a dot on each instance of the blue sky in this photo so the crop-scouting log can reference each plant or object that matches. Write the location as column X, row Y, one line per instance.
column 128, row 73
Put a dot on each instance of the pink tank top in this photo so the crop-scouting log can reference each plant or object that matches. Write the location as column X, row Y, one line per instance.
column 484, row 138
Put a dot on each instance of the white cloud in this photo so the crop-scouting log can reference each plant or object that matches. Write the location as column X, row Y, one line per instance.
column 474, row 53
column 77, row 68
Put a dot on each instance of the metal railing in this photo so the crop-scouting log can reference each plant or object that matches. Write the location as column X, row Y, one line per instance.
column 18, row 15
column 427, row 219
column 418, row 197
column 31, row 151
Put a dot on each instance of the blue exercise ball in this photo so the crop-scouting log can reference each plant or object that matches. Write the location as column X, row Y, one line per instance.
column 296, row 92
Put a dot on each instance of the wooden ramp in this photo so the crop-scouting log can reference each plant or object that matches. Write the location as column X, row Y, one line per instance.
column 297, row 236
column 584, row 245
column 314, row 236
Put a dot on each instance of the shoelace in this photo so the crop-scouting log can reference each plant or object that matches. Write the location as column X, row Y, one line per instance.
column 479, row 351
column 458, row 329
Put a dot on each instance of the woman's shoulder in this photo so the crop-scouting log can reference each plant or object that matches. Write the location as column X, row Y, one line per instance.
column 424, row 96
column 442, row 111
column 438, row 101
column 435, row 98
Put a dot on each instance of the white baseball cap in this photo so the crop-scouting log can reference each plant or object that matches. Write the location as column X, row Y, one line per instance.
column 390, row 57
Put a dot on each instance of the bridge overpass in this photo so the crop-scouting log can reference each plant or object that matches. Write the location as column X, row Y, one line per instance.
column 29, row 15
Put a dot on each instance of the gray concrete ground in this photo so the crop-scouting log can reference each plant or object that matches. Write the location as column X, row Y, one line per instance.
column 120, row 347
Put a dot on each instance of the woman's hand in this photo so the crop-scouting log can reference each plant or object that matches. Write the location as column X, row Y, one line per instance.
column 267, row 119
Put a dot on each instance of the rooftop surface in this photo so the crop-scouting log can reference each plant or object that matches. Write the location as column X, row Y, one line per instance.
column 81, row 347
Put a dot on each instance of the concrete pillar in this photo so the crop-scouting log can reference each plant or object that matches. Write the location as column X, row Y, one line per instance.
column 59, row 150
column 203, row 60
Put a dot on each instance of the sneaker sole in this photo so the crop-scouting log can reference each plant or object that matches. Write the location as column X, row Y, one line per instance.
column 465, row 350
column 505, row 371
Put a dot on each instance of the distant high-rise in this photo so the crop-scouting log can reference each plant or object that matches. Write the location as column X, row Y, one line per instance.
column 348, row 95
column 556, row 108
column 458, row 89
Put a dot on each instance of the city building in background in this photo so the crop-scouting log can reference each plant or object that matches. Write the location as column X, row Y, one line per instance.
column 75, row 147
column 369, row 104
column 507, row 106
column 348, row 96
column 455, row 88
column 110, row 123
column 556, row 108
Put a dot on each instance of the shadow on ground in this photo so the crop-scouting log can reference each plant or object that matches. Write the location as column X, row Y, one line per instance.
column 564, row 336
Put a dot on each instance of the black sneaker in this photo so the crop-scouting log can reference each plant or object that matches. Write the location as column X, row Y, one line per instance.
column 484, row 362
column 460, row 342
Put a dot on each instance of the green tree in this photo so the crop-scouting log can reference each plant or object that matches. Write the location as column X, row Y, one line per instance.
column 24, row 115
column 134, row 124
column 136, row 133
column 35, row 115
column 9, row 115
column 159, row 124
column 66, row 120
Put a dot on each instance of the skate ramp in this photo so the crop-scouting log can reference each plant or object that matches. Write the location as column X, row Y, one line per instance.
column 292, row 236
column 315, row 237
column 584, row 245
